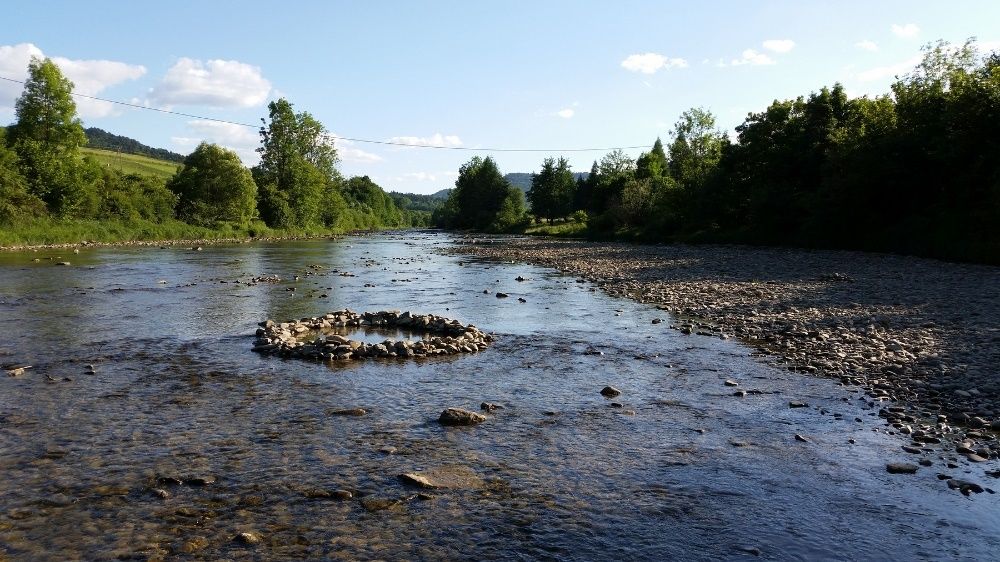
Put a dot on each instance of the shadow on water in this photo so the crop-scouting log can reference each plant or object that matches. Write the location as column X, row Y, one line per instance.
column 178, row 406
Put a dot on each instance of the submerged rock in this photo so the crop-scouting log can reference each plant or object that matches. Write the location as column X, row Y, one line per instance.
column 901, row 468
column 458, row 416
column 349, row 412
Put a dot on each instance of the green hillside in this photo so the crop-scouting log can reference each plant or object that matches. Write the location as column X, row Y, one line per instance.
column 132, row 163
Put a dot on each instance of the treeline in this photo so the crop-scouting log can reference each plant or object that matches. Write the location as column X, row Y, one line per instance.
column 99, row 138
column 296, row 187
column 916, row 171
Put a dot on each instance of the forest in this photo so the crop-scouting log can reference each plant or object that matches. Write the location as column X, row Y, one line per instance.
column 50, row 191
column 915, row 171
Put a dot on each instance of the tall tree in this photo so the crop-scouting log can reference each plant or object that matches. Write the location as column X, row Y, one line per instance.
column 652, row 164
column 213, row 187
column 552, row 189
column 482, row 199
column 297, row 167
column 47, row 137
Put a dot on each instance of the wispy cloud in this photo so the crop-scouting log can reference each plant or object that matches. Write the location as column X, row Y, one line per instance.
column 779, row 45
column 212, row 83
column 349, row 152
column 867, row 45
column 567, row 113
column 241, row 140
column 889, row 71
column 650, row 63
column 437, row 139
column 906, row 31
column 752, row 58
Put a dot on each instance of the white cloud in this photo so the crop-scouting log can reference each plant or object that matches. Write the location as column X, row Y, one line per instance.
column 349, row 152
column 779, row 45
column 906, row 31
column 213, row 83
column 89, row 77
column 649, row 63
column 867, row 45
column 437, row 139
column 753, row 58
column 239, row 139
column 889, row 71
column 566, row 113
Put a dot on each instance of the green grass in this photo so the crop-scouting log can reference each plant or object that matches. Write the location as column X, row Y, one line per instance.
column 35, row 232
column 566, row 229
column 132, row 163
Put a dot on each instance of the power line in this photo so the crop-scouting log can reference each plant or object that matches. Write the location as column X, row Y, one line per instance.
column 351, row 139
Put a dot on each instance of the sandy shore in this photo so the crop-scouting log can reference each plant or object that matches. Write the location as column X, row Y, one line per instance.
column 922, row 333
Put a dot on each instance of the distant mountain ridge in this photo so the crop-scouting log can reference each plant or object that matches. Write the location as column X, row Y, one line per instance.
column 99, row 138
column 522, row 180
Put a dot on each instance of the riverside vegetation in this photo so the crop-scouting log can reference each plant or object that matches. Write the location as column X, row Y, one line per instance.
column 55, row 189
column 910, row 172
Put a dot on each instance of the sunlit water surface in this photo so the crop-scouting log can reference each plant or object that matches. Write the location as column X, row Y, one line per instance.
column 683, row 470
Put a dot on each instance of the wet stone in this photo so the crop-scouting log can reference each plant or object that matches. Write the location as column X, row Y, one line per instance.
column 460, row 417
column 797, row 404
column 249, row 538
column 349, row 412
column 901, row 468
column 610, row 392
column 199, row 480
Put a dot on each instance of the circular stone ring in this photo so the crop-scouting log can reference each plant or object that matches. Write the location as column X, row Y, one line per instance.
column 295, row 338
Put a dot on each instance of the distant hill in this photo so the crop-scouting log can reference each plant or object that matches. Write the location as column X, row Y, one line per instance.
column 416, row 201
column 132, row 163
column 522, row 180
column 99, row 138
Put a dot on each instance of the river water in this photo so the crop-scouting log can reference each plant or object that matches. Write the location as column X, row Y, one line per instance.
column 681, row 470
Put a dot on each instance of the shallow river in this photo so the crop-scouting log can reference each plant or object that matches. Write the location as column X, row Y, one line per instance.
column 682, row 470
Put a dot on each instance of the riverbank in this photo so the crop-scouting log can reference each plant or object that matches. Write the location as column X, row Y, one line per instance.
column 921, row 333
column 85, row 234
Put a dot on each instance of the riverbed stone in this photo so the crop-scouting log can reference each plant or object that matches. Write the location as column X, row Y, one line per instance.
column 460, row 417
column 901, row 468
column 610, row 392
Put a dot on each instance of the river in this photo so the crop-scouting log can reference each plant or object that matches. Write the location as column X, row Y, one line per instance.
column 677, row 468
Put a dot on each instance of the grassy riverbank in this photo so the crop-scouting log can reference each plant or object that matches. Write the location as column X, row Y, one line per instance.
column 46, row 231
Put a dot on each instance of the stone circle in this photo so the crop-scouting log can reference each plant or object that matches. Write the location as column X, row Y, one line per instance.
column 292, row 338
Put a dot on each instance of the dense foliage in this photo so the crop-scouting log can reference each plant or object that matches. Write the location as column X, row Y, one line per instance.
column 482, row 200
column 48, row 187
column 915, row 171
column 213, row 187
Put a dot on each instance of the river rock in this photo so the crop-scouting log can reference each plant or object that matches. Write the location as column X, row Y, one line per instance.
column 610, row 392
column 248, row 537
column 415, row 479
column 458, row 416
column 349, row 412
column 901, row 468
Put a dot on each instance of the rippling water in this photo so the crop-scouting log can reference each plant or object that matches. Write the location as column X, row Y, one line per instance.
column 682, row 470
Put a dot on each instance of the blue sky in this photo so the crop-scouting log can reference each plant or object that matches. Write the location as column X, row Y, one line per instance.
column 552, row 74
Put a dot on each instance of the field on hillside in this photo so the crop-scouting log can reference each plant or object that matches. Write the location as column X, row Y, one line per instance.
column 132, row 163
